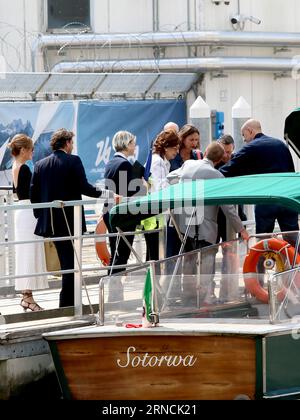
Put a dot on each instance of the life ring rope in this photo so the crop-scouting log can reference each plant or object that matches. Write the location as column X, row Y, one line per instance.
column 268, row 249
column 281, row 252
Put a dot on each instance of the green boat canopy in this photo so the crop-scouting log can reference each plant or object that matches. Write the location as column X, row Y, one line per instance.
column 279, row 188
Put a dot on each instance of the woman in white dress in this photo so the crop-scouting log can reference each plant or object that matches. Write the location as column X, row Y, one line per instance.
column 29, row 257
column 165, row 148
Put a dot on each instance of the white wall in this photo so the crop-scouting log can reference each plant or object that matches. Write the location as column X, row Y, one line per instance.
column 122, row 16
column 20, row 23
column 270, row 96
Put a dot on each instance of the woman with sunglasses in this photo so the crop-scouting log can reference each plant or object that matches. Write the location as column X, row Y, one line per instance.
column 29, row 257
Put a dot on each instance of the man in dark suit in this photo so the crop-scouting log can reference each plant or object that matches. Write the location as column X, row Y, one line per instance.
column 61, row 176
column 262, row 155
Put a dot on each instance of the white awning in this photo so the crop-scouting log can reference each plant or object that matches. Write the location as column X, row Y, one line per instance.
column 94, row 85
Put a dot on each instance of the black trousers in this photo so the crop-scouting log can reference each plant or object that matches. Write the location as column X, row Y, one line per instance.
column 122, row 252
column 265, row 217
column 66, row 257
column 173, row 242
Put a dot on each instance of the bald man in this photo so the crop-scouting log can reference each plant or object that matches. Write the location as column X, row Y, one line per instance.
column 171, row 126
column 250, row 129
column 263, row 155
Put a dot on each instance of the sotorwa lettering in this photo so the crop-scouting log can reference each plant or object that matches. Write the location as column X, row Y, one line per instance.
column 153, row 361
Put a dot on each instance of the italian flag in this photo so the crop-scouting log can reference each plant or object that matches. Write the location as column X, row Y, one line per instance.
column 147, row 301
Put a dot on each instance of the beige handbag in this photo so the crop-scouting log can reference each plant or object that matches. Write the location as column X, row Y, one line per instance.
column 51, row 255
column 52, row 260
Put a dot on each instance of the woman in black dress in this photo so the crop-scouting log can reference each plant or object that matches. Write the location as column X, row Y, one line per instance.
column 29, row 257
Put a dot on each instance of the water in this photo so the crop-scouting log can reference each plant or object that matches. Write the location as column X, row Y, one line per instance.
column 46, row 388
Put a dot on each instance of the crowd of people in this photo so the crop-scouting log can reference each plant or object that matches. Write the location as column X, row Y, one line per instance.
column 176, row 157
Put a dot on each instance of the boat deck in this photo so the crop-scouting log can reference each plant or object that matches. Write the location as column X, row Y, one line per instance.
column 173, row 327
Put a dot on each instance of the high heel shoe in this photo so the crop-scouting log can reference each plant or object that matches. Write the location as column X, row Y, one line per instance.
column 33, row 306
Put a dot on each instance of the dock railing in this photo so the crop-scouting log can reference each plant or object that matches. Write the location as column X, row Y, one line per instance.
column 7, row 260
column 190, row 273
column 7, row 244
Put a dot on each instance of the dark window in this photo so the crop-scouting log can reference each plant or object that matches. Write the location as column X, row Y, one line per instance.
column 68, row 13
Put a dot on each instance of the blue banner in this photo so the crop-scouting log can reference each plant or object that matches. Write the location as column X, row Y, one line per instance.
column 37, row 120
column 99, row 121
column 94, row 124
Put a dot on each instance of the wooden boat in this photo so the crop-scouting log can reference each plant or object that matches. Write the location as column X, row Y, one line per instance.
column 221, row 359
column 196, row 357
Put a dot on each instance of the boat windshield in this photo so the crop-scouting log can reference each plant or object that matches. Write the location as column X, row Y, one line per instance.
column 229, row 280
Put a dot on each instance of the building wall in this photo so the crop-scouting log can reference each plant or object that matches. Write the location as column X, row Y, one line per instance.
column 270, row 95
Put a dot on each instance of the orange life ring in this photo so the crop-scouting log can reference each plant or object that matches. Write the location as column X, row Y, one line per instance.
column 277, row 249
column 100, row 243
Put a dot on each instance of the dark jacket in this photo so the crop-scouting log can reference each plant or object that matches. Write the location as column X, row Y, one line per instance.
column 177, row 162
column 60, row 176
column 118, row 175
column 261, row 156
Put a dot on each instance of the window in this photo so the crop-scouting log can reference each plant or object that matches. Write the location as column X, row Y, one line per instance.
column 68, row 13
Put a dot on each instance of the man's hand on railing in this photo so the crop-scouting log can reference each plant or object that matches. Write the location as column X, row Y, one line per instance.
column 111, row 196
column 118, row 198
column 244, row 234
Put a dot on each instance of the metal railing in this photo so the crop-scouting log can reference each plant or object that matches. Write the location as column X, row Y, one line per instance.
column 284, row 294
column 193, row 272
column 7, row 259
column 6, row 242
column 218, row 266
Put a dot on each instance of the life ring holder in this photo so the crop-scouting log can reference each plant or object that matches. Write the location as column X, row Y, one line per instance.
column 100, row 243
column 278, row 250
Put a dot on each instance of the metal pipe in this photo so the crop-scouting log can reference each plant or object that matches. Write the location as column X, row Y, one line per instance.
column 155, row 16
column 218, row 38
column 24, row 35
column 150, row 39
column 2, row 239
column 188, row 15
column 202, row 64
column 77, row 247
column 101, row 302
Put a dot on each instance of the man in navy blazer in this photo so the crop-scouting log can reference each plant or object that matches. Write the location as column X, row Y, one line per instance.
column 261, row 155
column 61, row 176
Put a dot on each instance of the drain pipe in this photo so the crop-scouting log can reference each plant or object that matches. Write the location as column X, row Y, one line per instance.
column 202, row 64
column 152, row 39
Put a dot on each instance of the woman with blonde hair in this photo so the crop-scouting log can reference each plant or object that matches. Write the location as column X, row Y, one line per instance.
column 118, row 176
column 29, row 257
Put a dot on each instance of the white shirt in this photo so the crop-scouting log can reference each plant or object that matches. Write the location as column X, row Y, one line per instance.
column 159, row 171
column 121, row 154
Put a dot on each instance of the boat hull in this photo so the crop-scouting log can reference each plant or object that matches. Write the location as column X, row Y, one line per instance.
column 207, row 360
column 220, row 368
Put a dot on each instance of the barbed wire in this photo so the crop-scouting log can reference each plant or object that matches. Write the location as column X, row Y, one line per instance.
column 17, row 44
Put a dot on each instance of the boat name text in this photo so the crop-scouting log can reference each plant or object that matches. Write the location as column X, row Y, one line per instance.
column 152, row 361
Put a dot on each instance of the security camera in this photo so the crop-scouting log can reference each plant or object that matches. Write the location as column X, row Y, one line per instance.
column 217, row 2
column 241, row 19
column 254, row 20
column 235, row 19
